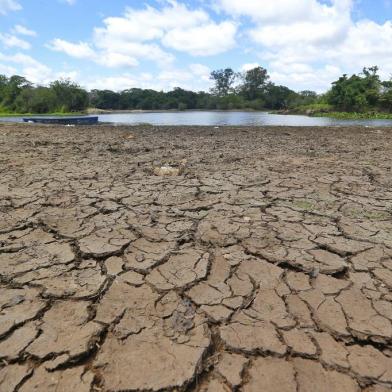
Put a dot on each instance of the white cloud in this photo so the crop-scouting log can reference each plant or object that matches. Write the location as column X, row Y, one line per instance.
column 201, row 71
column 249, row 66
column 7, row 70
column 150, row 23
column 365, row 43
column 304, row 44
column 140, row 33
column 113, row 60
column 309, row 43
column 205, row 40
column 32, row 69
column 133, row 51
column 79, row 50
column 195, row 77
column 11, row 41
column 282, row 25
column 22, row 30
column 284, row 11
column 114, row 56
column 69, row 2
column 176, row 26
column 304, row 76
column 119, row 82
column 9, row 5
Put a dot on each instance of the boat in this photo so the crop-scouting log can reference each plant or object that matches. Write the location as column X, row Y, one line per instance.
column 81, row 120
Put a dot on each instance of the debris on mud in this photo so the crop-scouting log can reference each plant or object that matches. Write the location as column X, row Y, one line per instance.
column 170, row 169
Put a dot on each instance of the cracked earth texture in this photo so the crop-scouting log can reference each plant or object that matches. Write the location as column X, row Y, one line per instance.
column 265, row 265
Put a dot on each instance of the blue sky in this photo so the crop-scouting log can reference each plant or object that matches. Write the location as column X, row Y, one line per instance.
column 161, row 44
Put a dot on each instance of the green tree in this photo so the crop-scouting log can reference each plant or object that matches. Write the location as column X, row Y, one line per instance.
column 69, row 96
column 105, row 99
column 224, row 80
column 357, row 92
column 386, row 95
column 11, row 89
column 278, row 97
column 35, row 100
column 254, row 83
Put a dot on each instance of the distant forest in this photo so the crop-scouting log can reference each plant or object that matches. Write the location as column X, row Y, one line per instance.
column 252, row 89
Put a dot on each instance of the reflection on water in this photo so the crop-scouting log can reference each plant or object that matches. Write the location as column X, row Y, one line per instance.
column 216, row 118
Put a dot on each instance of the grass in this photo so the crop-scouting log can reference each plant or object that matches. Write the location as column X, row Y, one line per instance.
column 369, row 214
column 313, row 108
column 326, row 110
column 304, row 205
column 354, row 115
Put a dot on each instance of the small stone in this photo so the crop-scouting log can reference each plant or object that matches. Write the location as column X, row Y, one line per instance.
column 139, row 258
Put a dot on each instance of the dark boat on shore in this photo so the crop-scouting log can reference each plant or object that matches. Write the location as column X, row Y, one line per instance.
column 83, row 120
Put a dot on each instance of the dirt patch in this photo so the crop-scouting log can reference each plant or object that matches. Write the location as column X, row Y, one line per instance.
column 195, row 259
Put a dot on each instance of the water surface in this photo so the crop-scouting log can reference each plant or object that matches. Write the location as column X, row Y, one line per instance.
column 220, row 118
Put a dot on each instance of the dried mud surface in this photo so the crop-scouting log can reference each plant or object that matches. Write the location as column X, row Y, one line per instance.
column 265, row 265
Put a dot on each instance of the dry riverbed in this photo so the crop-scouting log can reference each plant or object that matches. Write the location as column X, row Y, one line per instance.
column 265, row 264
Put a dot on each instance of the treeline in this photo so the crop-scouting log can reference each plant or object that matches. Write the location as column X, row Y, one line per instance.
column 361, row 93
column 18, row 95
column 249, row 90
column 252, row 89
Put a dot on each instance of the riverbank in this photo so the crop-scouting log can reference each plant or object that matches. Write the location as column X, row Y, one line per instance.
column 195, row 258
column 355, row 116
column 324, row 110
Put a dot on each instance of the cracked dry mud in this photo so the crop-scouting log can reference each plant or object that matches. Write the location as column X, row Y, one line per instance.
column 266, row 265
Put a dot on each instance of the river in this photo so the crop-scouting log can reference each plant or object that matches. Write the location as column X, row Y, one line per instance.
column 221, row 118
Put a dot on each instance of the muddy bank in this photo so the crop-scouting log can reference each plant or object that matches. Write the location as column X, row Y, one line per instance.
column 195, row 259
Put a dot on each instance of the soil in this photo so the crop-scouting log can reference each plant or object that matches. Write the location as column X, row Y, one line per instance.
column 195, row 259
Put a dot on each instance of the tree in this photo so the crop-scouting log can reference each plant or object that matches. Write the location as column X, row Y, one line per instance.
column 36, row 100
column 69, row 96
column 386, row 95
column 254, row 83
column 357, row 92
column 365, row 91
column 3, row 84
column 183, row 99
column 278, row 97
column 12, row 88
column 224, row 80
column 372, row 85
column 105, row 99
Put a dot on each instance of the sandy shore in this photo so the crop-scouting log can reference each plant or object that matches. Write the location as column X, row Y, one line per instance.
column 265, row 265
